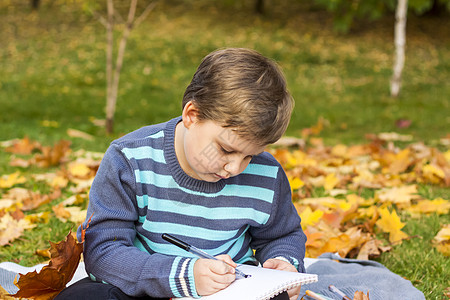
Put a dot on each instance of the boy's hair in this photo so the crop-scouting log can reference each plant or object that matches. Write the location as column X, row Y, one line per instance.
column 241, row 89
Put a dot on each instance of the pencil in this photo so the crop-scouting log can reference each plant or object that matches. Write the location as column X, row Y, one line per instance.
column 314, row 295
column 338, row 292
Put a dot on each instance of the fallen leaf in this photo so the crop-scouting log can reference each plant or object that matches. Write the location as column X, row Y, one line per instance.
column 309, row 217
column 390, row 223
column 7, row 181
column 403, row 123
column 330, row 181
column 79, row 170
column 53, row 278
column 361, row 296
column 10, row 228
column 438, row 206
column 53, row 156
column 24, row 146
column 442, row 240
column 79, row 134
column 399, row 195
column 393, row 136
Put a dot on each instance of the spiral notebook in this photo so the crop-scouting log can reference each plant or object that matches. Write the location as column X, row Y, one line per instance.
column 263, row 284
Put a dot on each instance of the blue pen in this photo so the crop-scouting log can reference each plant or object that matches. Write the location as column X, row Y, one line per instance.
column 198, row 252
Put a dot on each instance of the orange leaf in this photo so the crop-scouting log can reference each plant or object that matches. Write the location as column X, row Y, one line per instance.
column 361, row 296
column 52, row 156
column 52, row 279
column 24, row 146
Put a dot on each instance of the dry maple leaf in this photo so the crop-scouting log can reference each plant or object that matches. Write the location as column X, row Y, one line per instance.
column 24, row 146
column 52, row 279
column 442, row 240
column 53, row 156
column 361, row 296
column 10, row 228
column 399, row 195
column 7, row 181
column 390, row 222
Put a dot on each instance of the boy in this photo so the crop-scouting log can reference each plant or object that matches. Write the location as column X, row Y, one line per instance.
column 203, row 177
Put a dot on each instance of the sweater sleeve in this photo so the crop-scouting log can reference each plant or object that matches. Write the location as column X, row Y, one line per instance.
column 109, row 251
column 282, row 236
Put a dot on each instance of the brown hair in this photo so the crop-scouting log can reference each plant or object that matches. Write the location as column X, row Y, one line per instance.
column 241, row 89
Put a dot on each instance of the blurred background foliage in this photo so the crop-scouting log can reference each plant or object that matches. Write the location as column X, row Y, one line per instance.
column 337, row 57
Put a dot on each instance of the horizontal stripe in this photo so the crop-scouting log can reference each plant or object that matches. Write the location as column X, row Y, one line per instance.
column 214, row 213
column 145, row 152
column 261, row 170
column 157, row 135
column 232, row 247
column 186, row 230
column 243, row 191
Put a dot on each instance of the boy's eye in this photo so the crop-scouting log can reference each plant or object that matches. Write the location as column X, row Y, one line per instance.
column 225, row 151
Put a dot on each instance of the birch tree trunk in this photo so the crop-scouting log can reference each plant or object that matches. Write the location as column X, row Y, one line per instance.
column 400, row 40
column 113, row 71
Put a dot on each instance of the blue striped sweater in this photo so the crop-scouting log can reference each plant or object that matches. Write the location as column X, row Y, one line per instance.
column 140, row 192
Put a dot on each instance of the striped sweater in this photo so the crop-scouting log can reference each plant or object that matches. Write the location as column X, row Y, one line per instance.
column 140, row 192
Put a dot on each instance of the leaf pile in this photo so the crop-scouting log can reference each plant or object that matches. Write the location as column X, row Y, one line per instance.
column 350, row 198
column 349, row 195
column 62, row 173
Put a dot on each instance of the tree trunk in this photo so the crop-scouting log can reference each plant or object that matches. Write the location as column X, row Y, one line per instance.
column 400, row 40
column 259, row 6
column 109, row 66
column 113, row 71
column 35, row 4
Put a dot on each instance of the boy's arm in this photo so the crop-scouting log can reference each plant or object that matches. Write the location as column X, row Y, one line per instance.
column 110, row 252
column 282, row 236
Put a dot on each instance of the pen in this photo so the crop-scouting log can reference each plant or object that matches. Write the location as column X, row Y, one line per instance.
column 189, row 248
column 338, row 292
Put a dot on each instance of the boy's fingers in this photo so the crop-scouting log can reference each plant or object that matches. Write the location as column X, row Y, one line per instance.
column 221, row 268
column 227, row 259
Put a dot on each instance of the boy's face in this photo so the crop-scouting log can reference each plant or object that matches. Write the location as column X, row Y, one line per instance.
column 210, row 152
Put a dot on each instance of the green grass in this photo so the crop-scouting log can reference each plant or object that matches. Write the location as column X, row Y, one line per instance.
column 52, row 77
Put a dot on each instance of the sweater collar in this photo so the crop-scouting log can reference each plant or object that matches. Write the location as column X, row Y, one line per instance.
column 177, row 172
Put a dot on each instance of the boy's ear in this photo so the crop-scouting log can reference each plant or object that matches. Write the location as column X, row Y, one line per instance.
column 190, row 114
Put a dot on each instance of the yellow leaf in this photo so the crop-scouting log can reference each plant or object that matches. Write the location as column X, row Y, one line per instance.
column 344, row 205
column 59, row 182
column 7, row 181
column 397, row 236
column 444, row 248
column 390, row 222
column 296, row 183
column 309, row 217
column 433, row 173
column 10, row 228
column 443, row 235
column 447, row 156
column 340, row 150
column 438, row 206
column 79, row 170
column 399, row 195
column 330, row 181
column 400, row 162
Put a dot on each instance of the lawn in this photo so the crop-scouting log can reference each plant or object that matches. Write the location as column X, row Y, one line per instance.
column 52, row 78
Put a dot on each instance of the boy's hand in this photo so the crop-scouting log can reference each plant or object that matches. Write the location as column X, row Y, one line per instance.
column 278, row 264
column 212, row 276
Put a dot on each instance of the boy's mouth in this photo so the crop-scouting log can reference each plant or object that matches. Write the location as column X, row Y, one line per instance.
column 220, row 177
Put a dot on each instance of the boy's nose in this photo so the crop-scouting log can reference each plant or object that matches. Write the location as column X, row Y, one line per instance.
column 232, row 167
